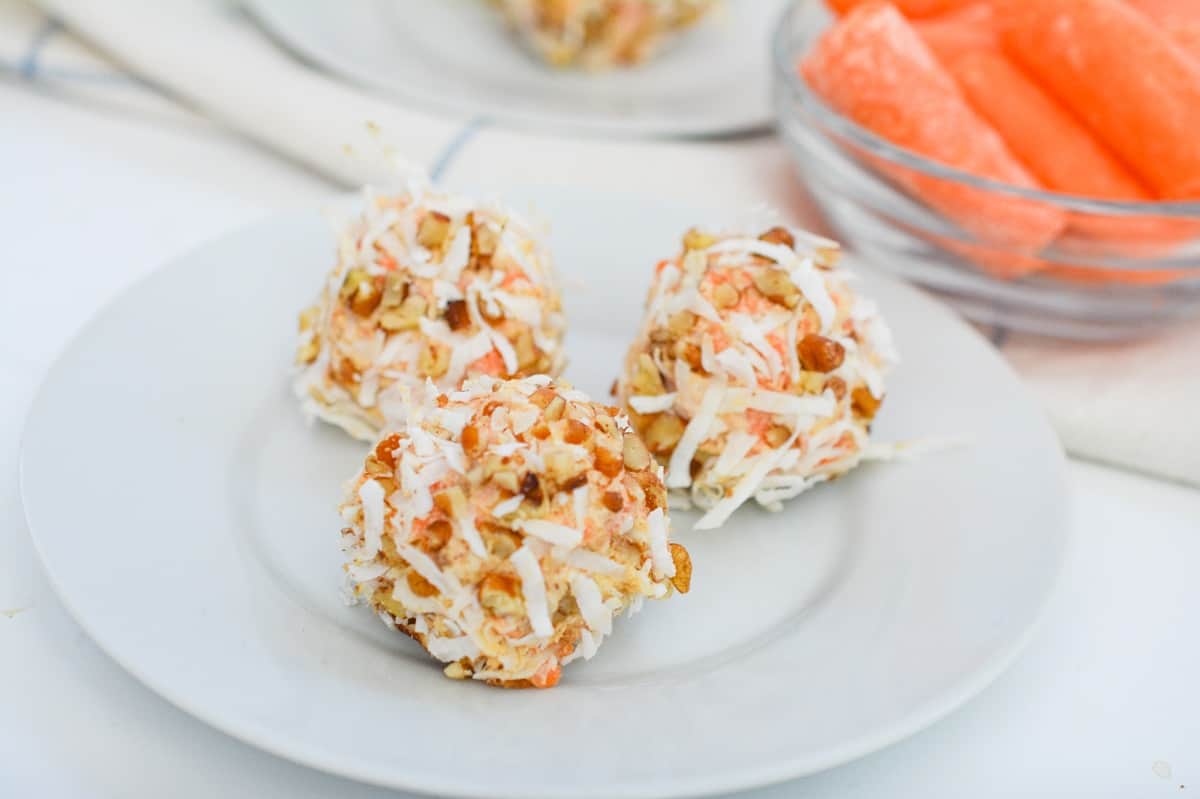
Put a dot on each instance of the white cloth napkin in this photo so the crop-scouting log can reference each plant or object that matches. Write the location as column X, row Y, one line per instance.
column 1134, row 405
column 1130, row 405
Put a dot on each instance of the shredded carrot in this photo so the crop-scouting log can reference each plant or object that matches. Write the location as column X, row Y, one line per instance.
column 845, row 443
column 547, row 675
column 759, row 422
column 490, row 364
column 719, row 338
column 777, row 342
column 777, row 383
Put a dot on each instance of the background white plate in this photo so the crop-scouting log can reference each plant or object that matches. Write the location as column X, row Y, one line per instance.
column 184, row 512
column 457, row 56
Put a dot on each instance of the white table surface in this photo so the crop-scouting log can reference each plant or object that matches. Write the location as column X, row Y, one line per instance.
column 1103, row 703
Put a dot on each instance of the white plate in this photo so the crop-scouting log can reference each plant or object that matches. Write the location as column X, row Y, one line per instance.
column 185, row 514
column 457, row 56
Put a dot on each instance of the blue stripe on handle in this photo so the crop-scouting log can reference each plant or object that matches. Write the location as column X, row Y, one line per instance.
column 455, row 146
column 28, row 66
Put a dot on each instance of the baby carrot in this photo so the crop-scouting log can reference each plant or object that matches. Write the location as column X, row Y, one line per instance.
column 1090, row 275
column 1179, row 18
column 963, row 30
column 1065, row 157
column 1056, row 148
column 909, row 8
column 1136, row 89
column 996, row 262
column 874, row 68
column 1168, row 12
column 1187, row 36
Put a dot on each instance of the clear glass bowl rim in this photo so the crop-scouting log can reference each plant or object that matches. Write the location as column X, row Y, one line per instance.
column 784, row 64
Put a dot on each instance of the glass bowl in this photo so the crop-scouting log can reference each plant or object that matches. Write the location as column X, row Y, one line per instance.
column 1115, row 270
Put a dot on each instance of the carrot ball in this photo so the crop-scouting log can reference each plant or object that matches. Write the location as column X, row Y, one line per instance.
column 757, row 371
column 427, row 287
column 506, row 524
column 599, row 34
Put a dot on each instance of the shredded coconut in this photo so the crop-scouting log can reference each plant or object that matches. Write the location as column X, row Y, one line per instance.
column 591, row 605
column 423, row 565
column 745, row 487
column 658, row 404
column 659, row 551
column 533, row 588
column 370, row 493
column 505, row 507
column 593, row 562
column 678, row 472
column 550, row 532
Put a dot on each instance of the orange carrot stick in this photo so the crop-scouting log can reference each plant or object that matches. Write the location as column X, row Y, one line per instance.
column 1056, row 148
column 1187, row 36
column 1091, row 275
column 1179, row 18
column 1168, row 12
column 964, row 30
column 909, row 8
column 1136, row 89
column 996, row 262
column 1064, row 156
column 1061, row 153
column 874, row 68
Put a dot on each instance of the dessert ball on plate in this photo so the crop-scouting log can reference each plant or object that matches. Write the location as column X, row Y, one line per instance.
column 506, row 524
column 757, row 370
column 599, row 34
column 427, row 287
